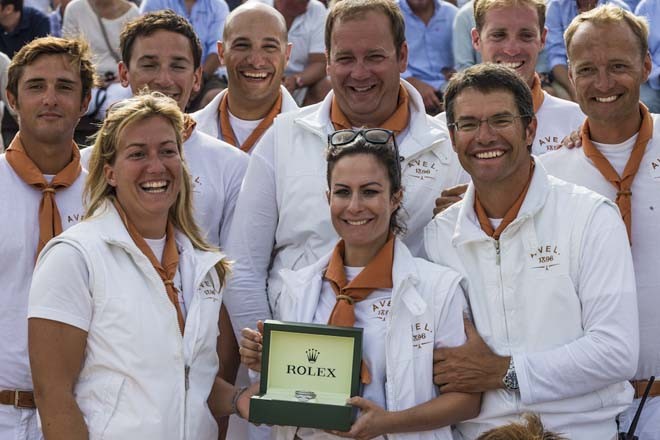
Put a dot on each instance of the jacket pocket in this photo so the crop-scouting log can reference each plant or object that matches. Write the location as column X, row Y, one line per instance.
column 99, row 402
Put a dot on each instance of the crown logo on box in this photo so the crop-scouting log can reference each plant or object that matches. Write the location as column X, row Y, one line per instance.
column 312, row 355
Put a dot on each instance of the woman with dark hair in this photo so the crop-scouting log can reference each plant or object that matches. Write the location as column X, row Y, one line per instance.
column 406, row 306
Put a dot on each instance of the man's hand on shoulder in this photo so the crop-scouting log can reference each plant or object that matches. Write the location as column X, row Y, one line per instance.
column 573, row 140
column 448, row 197
column 470, row 368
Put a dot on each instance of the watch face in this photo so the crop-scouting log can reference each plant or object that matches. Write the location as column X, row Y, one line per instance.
column 510, row 379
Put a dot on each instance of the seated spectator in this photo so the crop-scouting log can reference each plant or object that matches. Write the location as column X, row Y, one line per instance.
column 430, row 57
column 304, row 76
column 56, row 16
column 20, row 25
column 465, row 55
column 650, row 90
column 531, row 429
column 208, row 20
column 100, row 22
column 560, row 14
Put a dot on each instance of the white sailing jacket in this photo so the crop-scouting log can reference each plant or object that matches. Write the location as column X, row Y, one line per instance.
column 140, row 379
column 556, row 296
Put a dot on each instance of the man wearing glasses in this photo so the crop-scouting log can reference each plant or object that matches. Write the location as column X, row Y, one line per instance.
column 282, row 217
column 549, row 274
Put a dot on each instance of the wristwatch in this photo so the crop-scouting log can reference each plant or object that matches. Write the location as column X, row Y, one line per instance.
column 510, row 380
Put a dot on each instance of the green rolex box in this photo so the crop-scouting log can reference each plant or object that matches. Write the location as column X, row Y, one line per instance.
column 308, row 371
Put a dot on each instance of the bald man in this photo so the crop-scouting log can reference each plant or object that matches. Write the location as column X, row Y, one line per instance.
column 255, row 50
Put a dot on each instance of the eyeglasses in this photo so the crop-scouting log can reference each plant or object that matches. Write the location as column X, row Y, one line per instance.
column 373, row 135
column 496, row 122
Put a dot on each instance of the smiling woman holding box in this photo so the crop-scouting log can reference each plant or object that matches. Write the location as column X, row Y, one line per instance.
column 406, row 305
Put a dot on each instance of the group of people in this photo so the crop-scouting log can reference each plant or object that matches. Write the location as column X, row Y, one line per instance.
column 145, row 262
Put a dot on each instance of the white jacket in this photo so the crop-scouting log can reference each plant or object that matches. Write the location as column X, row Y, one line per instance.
column 421, row 294
column 282, row 218
column 556, row 293
column 140, row 379
column 207, row 118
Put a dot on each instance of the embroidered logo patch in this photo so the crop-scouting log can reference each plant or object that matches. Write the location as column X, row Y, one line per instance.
column 380, row 309
column 550, row 143
column 654, row 169
column 423, row 169
column 208, row 290
column 545, row 257
column 422, row 334
column 74, row 218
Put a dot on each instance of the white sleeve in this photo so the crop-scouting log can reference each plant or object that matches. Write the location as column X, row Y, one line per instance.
column 70, row 28
column 65, row 299
column 252, row 238
column 609, row 349
column 449, row 328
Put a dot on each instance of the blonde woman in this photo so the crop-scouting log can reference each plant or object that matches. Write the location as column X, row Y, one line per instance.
column 124, row 307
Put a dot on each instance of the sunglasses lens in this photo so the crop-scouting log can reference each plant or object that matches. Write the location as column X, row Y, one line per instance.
column 377, row 136
column 342, row 137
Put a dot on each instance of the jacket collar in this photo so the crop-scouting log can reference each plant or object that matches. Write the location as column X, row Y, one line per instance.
column 467, row 224
column 114, row 233
column 208, row 116
column 404, row 278
column 423, row 132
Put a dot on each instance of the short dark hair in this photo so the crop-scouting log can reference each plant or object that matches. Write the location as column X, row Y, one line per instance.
column 487, row 78
column 18, row 4
column 386, row 154
column 147, row 24
column 76, row 49
column 355, row 9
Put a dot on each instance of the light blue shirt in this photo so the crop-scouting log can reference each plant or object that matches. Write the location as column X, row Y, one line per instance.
column 429, row 46
column 55, row 22
column 651, row 10
column 559, row 15
column 464, row 53
column 206, row 16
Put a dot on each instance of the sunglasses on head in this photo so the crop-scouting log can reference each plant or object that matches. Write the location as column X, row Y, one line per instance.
column 373, row 135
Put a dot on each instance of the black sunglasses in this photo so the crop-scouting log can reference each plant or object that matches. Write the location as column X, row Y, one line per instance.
column 373, row 135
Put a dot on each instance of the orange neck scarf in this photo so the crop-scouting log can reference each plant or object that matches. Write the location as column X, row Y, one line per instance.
column 228, row 133
column 397, row 122
column 189, row 125
column 622, row 184
column 510, row 215
column 537, row 93
column 376, row 275
column 50, row 223
column 167, row 269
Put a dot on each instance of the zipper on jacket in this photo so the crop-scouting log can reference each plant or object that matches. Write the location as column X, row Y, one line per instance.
column 504, row 315
column 186, row 372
